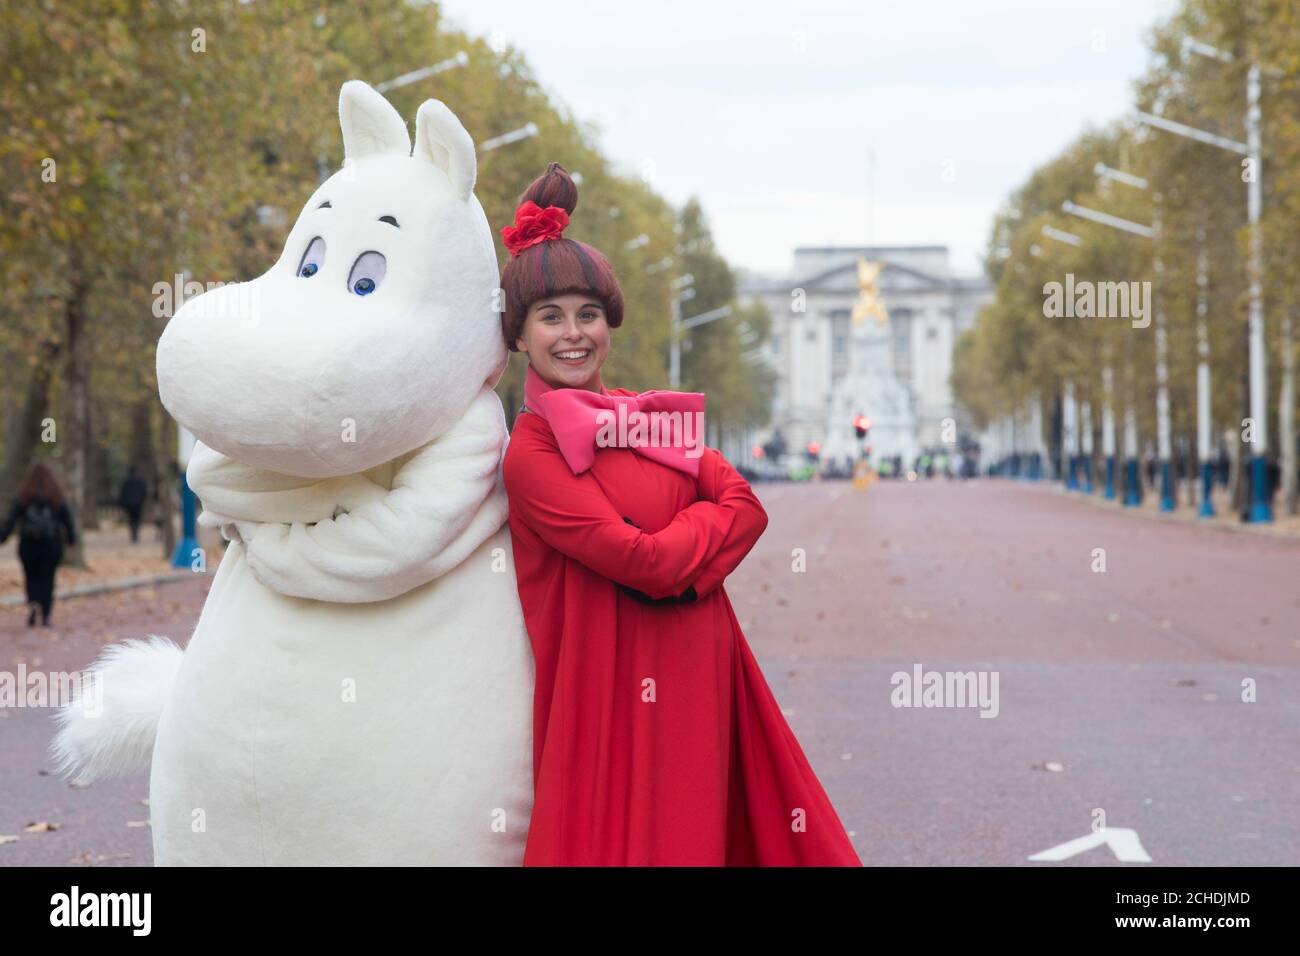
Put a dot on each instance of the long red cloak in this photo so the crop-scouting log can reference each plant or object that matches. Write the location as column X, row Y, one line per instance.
column 656, row 740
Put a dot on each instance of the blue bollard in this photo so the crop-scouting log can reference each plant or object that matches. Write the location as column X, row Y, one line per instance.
column 1072, row 474
column 1166, row 487
column 1261, row 510
column 1207, row 484
column 183, row 557
column 1087, row 475
column 1109, row 492
column 1131, row 496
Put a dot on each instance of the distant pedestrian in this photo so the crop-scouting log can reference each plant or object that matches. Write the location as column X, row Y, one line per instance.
column 43, row 520
column 131, row 497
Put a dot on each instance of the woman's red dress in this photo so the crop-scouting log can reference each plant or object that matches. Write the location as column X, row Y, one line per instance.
column 656, row 740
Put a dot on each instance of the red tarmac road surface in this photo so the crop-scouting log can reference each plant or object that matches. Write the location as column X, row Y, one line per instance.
column 1118, row 692
column 105, row 823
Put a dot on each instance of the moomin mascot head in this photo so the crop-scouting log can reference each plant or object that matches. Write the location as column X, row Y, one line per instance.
column 375, row 329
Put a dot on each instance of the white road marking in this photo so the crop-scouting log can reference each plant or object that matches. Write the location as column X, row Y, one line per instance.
column 1123, row 842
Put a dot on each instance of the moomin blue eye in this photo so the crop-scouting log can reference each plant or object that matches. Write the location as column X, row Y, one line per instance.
column 367, row 272
column 312, row 259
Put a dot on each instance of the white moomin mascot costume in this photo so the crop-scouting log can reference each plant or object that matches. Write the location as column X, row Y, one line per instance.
column 359, row 686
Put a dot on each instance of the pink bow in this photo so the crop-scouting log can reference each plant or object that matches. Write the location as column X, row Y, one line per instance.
column 575, row 419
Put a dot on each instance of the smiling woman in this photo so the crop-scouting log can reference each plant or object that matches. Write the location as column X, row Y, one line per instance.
column 566, row 338
column 656, row 741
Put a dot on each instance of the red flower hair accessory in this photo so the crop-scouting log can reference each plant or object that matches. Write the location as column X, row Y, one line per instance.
column 533, row 224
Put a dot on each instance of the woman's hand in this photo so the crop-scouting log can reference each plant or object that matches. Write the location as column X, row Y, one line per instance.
column 722, row 485
column 686, row 597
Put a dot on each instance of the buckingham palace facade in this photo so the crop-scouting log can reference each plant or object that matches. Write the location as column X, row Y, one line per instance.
column 894, row 368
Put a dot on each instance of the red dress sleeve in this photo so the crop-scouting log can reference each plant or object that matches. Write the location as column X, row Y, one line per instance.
column 571, row 514
column 721, row 484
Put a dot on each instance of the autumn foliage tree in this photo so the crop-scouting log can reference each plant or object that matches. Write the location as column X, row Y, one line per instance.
column 147, row 145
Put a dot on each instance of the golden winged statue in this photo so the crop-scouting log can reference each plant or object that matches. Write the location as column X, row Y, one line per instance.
column 869, row 303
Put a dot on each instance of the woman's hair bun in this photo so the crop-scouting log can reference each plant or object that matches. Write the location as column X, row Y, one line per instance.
column 553, row 188
column 555, row 264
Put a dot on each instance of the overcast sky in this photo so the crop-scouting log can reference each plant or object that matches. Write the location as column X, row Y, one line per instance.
column 770, row 111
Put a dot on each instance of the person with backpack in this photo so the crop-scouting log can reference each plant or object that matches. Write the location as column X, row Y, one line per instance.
column 42, row 519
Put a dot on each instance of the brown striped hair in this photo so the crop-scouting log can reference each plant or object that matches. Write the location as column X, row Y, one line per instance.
column 555, row 266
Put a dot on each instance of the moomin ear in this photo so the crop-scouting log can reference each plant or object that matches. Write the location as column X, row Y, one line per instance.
column 372, row 126
column 441, row 139
column 369, row 122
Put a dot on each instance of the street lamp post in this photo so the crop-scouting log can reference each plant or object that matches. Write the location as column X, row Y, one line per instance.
column 1108, row 429
column 681, row 291
column 1070, row 436
column 460, row 59
column 1131, row 497
column 1163, row 440
column 1036, row 437
column 523, row 132
column 1006, row 468
column 1069, row 418
column 1013, row 442
column 684, row 325
column 1260, row 509
column 1164, row 449
column 1085, row 414
column 1164, row 445
column 1203, row 382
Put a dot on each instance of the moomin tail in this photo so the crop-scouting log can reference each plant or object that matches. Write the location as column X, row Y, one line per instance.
column 108, row 728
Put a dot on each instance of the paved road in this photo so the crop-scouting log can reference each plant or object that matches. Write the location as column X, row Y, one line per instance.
column 1130, row 680
column 1117, row 691
column 105, row 823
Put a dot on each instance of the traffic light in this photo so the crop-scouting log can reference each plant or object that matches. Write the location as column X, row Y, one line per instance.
column 814, row 450
column 861, row 425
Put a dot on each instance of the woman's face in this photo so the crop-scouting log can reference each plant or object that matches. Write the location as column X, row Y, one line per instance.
column 566, row 338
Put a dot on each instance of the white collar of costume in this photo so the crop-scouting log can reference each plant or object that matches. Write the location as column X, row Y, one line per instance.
column 369, row 536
